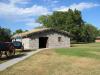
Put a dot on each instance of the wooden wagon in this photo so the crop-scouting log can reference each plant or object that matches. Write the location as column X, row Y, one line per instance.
column 7, row 49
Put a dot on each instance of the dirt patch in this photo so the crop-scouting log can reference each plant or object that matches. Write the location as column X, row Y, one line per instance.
column 84, row 62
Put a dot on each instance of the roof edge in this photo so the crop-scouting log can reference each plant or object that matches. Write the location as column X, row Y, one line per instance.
column 41, row 30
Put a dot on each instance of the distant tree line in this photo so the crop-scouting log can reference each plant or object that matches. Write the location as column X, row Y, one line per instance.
column 19, row 31
column 5, row 34
column 98, row 32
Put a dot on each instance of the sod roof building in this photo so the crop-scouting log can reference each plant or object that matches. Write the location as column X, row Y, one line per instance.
column 43, row 38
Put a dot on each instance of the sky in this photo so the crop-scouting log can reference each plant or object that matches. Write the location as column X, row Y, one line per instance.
column 22, row 14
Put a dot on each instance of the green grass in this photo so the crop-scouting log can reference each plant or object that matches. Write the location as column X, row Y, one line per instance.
column 91, row 50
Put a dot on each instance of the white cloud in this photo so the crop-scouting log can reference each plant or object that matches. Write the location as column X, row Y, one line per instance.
column 80, row 6
column 17, row 14
column 13, row 13
column 9, row 9
column 33, row 24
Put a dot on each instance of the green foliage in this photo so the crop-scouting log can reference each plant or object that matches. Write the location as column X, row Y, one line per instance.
column 98, row 32
column 39, row 27
column 87, row 33
column 5, row 34
column 19, row 31
column 62, row 20
column 72, row 22
column 90, row 33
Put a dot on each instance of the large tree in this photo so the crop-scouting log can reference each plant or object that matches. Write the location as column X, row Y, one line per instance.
column 72, row 22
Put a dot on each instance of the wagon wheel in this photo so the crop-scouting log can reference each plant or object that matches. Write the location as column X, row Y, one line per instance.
column 1, row 53
column 11, row 52
column 7, row 53
column 22, row 48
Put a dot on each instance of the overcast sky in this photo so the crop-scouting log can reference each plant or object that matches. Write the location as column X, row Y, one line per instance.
column 22, row 14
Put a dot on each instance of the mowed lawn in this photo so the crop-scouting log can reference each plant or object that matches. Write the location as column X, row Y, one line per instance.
column 81, row 59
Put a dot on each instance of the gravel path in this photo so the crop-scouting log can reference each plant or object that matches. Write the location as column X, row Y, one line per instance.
column 11, row 62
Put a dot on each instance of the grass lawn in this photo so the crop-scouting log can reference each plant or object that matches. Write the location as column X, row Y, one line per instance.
column 81, row 59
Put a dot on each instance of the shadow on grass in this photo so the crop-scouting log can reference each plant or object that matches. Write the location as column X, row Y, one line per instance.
column 18, row 54
column 26, row 50
column 12, row 57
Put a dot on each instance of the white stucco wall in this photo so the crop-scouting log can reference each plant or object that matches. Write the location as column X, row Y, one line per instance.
column 26, row 43
column 34, row 43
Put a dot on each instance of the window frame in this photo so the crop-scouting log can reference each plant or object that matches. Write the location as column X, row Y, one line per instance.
column 59, row 39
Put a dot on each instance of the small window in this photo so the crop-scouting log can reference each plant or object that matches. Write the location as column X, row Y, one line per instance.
column 59, row 39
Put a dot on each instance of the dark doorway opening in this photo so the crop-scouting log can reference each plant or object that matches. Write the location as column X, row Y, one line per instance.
column 43, row 42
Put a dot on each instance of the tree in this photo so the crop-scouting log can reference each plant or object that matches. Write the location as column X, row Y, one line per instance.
column 70, row 21
column 90, row 33
column 5, row 34
column 99, row 32
column 19, row 31
column 26, row 31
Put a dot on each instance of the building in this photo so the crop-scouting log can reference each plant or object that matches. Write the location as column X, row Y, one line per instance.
column 97, row 39
column 43, row 38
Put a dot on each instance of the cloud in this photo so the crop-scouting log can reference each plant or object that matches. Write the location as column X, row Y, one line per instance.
column 9, row 9
column 12, row 13
column 33, row 24
column 80, row 6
